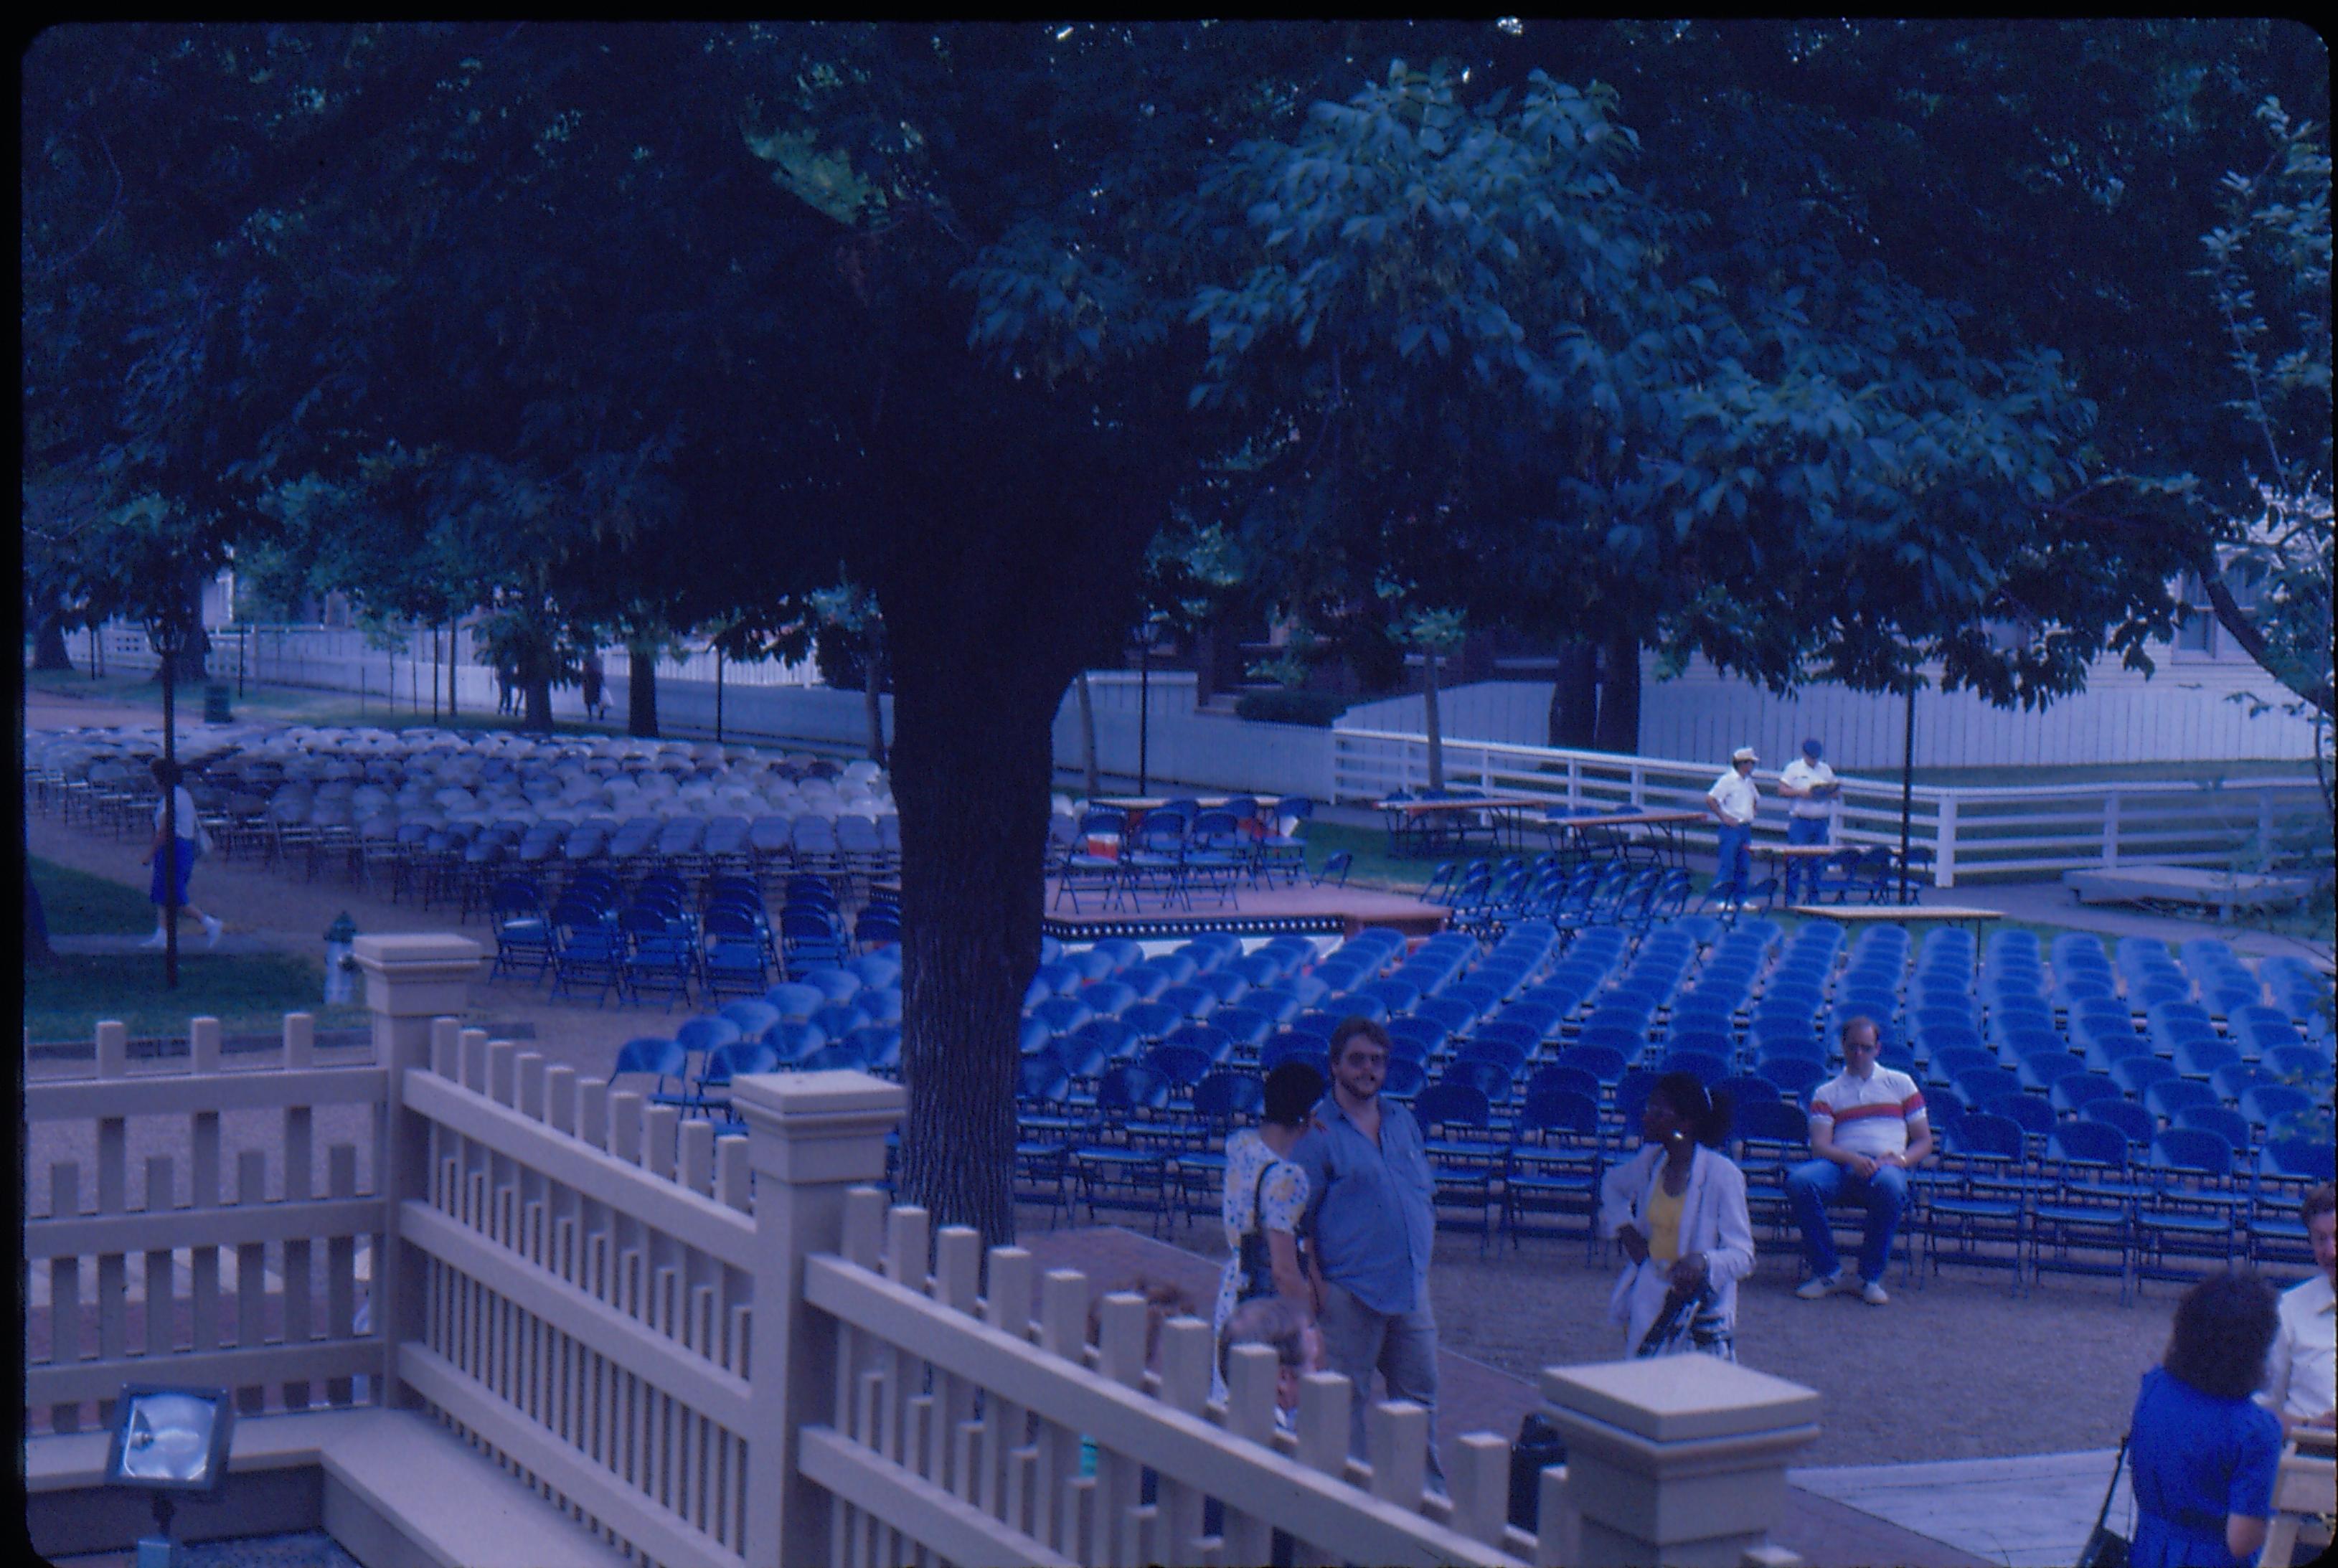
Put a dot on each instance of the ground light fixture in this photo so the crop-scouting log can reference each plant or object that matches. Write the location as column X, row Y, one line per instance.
column 170, row 1443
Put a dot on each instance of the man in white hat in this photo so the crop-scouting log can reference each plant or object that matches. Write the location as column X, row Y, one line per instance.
column 1810, row 790
column 1734, row 801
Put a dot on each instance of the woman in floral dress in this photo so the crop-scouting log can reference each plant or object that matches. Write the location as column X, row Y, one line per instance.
column 1265, row 1196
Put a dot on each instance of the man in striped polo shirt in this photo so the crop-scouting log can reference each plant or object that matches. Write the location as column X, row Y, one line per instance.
column 1869, row 1129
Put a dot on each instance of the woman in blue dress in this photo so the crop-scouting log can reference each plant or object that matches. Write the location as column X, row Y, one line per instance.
column 2205, row 1454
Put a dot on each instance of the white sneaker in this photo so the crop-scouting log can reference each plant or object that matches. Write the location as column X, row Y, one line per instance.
column 156, row 942
column 1873, row 1293
column 213, row 926
column 1819, row 1289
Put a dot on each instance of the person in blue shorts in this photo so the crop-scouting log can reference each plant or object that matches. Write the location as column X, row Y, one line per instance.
column 176, row 860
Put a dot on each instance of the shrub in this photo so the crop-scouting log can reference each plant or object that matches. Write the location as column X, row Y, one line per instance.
column 1315, row 708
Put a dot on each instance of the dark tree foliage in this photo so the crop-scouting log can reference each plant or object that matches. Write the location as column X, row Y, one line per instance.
column 662, row 329
column 693, row 322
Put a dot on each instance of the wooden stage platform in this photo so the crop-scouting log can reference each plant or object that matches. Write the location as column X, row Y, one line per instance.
column 1256, row 912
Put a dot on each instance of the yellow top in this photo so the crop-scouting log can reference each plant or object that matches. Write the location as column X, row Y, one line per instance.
column 1664, row 1225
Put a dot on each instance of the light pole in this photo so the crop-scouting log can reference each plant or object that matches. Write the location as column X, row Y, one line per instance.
column 168, row 634
column 1907, row 785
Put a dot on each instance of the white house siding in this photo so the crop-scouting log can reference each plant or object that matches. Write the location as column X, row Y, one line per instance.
column 1512, row 713
column 2182, row 713
column 1182, row 746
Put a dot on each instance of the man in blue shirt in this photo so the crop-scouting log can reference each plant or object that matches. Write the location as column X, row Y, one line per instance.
column 1372, row 1216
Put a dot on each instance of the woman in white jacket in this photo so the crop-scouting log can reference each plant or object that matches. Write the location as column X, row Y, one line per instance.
column 1677, row 1209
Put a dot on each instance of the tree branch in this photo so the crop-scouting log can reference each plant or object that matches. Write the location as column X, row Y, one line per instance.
column 2236, row 621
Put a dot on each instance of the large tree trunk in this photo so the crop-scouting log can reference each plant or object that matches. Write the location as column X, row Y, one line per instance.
column 641, row 692
column 977, row 679
column 36, row 920
column 1431, row 722
column 537, row 691
column 1087, row 737
column 971, row 778
column 1619, row 697
column 1575, row 698
column 49, row 651
column 872, row 689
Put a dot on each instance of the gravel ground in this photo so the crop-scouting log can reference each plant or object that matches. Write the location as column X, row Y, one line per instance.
column 1903, row 1382
column 1958, row 1369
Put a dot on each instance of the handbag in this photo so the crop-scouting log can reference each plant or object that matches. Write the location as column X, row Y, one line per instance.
column 1689, row 1319
column 1255, row 1274
column 2106, row 1547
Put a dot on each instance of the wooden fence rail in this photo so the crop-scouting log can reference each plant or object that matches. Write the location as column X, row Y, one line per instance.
column 712, row 1348
column 962, row 1419
column 2024, row 831
column 268, row 1256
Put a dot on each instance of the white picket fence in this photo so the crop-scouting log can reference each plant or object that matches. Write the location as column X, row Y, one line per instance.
column 1971, row 832
column 707, row 1348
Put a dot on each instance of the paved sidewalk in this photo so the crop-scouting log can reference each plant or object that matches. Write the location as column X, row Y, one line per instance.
column 2052, row 904
column 191, row 942
column 2031, row 1512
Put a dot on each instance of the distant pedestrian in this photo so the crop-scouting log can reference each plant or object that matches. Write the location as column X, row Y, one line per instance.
column 1733, row 802
column 1373, row 1219
column 1812, row 789
column 175, row 860
column 507, row 685
column 595, row 686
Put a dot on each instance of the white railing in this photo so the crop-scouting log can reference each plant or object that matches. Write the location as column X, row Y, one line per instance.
column 960, row 1424
column 714, row 1349
column 270, row 1260
column 1974, row 832
column 588, row 1269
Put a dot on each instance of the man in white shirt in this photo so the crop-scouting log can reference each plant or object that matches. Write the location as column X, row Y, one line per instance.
column 1733, row 801
column 1869, row 1129
column 2299, row 1371
column 1810, row 790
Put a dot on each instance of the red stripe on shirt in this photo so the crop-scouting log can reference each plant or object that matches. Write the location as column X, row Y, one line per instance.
column 1857, row 1112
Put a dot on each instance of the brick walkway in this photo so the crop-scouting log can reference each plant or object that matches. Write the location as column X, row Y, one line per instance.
column 1474, row 1397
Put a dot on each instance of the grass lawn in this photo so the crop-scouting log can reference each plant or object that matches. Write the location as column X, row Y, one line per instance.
column 66, row 999
column 77, row 904
column 1374, row 866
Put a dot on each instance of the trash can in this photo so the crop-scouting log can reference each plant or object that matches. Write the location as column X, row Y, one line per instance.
column 340, row 969
column 1538, row 1446
column 215, row 708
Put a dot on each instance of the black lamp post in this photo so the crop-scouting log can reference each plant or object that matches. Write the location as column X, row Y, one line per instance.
column 169, row 634
column 1907, row 785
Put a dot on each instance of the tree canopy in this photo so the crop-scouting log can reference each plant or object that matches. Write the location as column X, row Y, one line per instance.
column 1769, row 341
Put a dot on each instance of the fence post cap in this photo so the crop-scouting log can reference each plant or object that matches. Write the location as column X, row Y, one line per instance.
column 809, row 1128
column 417, row 951
column 1680, row 1398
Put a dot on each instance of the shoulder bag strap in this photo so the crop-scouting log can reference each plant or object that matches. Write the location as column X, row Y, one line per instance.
column 2112, row 1490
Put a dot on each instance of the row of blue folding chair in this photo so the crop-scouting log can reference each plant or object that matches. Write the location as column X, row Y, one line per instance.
column 2177, row 1206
